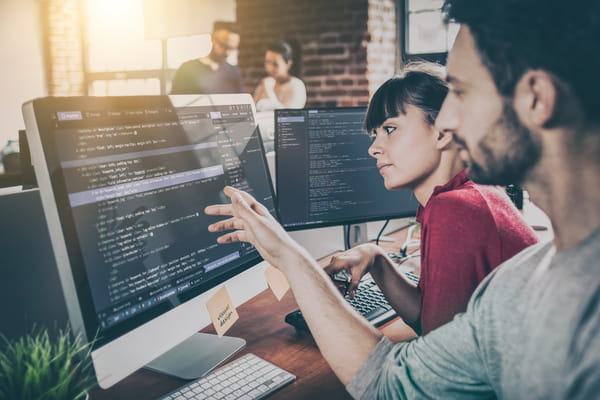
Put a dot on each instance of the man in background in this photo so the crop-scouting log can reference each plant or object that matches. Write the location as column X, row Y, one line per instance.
column 212, row 74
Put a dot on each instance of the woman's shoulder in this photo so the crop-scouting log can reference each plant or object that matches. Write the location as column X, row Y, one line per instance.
column 460, row 204
column 296, row 82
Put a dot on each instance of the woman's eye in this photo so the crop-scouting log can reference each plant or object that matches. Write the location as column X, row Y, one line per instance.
column 389, row 129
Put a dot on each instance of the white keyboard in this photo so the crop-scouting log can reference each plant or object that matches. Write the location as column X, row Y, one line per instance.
column 247, row 378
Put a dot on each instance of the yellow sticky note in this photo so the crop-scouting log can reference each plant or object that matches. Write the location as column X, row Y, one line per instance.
column 222, row 311
column 277, row 282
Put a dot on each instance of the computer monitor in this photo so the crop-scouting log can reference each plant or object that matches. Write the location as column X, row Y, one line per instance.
column 324, row 175
column 124, row 181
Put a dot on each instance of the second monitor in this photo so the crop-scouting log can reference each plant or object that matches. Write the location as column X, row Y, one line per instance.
column 324, row 174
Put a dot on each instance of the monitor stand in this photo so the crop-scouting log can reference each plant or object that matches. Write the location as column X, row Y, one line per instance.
column 355, row 234
column 196, row 356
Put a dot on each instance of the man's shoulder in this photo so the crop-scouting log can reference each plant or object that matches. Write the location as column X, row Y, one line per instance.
column 531, row 255
column 229, row 68
column 194, row 65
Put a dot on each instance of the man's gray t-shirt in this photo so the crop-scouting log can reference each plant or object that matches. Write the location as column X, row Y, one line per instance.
column 531, row 330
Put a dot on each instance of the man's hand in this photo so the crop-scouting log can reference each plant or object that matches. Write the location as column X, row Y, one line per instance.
column 335, row 326
column 251, row 222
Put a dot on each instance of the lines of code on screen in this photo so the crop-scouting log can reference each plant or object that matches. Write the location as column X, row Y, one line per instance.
column 137, row 182
column 324, row 173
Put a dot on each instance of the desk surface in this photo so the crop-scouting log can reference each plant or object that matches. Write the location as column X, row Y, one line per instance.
column 268, row 336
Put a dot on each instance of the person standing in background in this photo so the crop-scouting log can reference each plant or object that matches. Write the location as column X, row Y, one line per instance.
column 212, row 74
column 282, row 88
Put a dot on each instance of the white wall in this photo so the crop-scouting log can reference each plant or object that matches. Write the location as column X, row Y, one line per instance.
column 21, row 68
column 171, row 18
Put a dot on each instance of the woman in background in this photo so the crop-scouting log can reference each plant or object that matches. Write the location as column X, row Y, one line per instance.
column 282, row 88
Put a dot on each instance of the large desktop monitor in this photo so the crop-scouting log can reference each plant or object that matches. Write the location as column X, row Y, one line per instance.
column 124, row 181
column 324, row 175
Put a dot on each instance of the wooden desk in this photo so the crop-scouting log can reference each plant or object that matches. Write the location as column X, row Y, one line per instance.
column 268, row 336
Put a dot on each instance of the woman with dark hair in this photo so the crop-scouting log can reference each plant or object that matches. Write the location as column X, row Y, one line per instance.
column 466, row 229
column 282, row 88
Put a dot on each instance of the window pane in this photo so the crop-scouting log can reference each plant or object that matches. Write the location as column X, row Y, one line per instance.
column 125, row 87
column 97, row 88
column 115, row 33
column 185, row 48
column 427, row 33
column 452, row 32
column 417, row 5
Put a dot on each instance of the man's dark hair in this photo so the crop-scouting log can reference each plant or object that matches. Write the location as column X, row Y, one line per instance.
column 557, row 36
column 226, row 26
column 421, row 85
column 289, row 50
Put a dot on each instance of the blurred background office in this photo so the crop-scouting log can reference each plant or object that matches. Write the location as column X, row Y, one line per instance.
column 132, row 47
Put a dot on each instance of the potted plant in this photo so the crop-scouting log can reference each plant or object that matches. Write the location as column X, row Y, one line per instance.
column 41, row 366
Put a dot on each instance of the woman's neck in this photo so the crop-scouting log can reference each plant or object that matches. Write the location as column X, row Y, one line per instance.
column 282, row 80
column 447, row 169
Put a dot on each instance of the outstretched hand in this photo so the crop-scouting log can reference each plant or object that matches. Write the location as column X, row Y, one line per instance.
column 251, row 222
column 324, row 309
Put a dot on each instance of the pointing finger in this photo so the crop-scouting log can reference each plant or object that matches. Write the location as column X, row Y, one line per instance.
column 242, row 207
column 219, row 209
column 252, row 203
column 226, row 225
column 232, row 237
column 353, row 285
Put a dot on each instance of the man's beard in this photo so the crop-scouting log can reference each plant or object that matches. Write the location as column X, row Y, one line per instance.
column 522, row 152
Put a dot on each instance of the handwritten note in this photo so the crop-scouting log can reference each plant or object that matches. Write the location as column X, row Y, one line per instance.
column 277, row 282
column 222, row 311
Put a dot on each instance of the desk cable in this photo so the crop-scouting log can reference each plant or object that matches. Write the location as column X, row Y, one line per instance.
column 387, row 221
column 409, row 241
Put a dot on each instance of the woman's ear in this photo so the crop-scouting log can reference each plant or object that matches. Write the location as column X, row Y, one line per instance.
column 443, row 139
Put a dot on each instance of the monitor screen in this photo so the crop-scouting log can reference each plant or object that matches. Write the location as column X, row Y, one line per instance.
column 324, row 174
column 129, row 178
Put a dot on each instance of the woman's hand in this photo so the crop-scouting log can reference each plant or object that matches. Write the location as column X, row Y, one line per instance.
column 251, row 222
column 357, row 261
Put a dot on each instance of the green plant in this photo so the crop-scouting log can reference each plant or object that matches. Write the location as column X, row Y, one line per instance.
column 39, row 366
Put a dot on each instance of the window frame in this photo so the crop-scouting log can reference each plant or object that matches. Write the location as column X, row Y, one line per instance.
column 403, row 38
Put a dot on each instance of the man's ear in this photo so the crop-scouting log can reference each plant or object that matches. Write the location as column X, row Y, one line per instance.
column 535, row 99
column 444, row 138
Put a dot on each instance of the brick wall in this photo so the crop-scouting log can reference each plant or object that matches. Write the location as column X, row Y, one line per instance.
column 382, row 47
column 62, row 47
column 341, row 40
column 348, row 46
